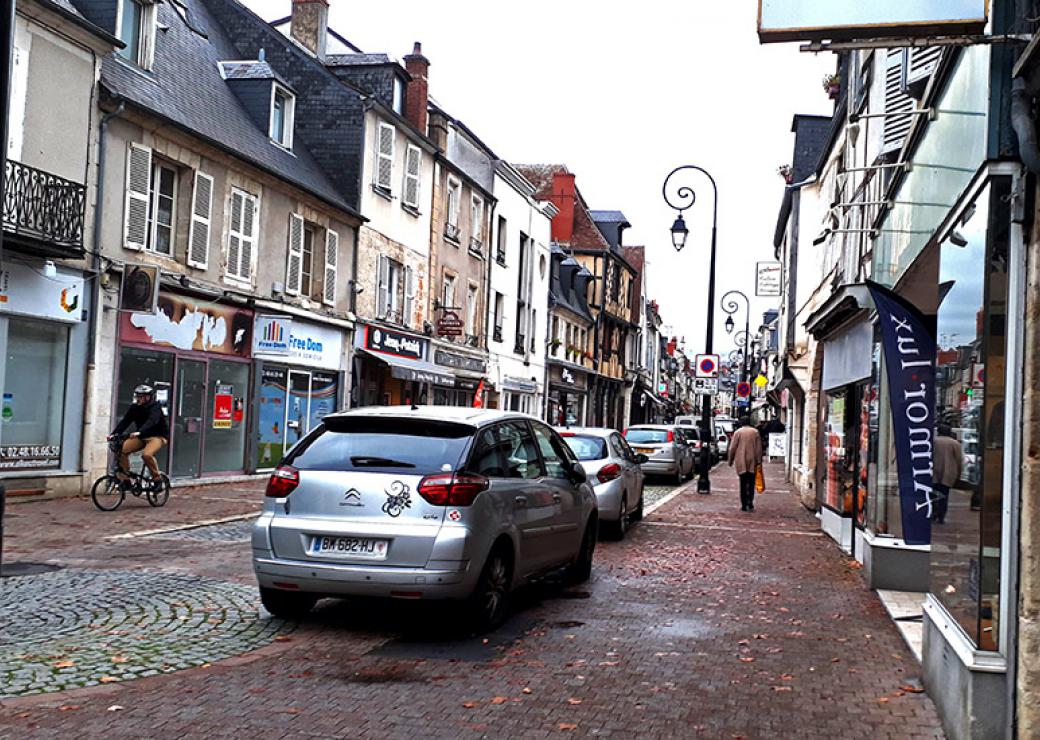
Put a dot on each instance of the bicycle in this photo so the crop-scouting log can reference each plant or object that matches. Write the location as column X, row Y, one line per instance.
column 109, row 491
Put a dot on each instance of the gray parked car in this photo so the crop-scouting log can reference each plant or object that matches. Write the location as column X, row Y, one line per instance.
column 666, row 447
column 423, row 503
column 614, row 470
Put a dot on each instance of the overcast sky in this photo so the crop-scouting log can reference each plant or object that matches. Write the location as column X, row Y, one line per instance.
column 622, row 92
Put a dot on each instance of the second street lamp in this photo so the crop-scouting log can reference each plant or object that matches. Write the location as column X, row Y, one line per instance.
column 683, row 198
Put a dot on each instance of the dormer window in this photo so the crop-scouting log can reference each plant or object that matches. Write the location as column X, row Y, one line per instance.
column 398, row 96
column 282, row 105
column 137, row 31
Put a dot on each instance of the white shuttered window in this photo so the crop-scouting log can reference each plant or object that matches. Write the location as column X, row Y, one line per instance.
column 242, row 234
column 328, row 286
column 294, row 263
column 385, row 141
column 382, row 287
column 409, row 296
column 898, row 104
column 412, row 170
column 201, row 219
column 138, row 182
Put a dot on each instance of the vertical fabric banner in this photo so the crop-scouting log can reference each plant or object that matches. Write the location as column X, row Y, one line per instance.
column 909, row 350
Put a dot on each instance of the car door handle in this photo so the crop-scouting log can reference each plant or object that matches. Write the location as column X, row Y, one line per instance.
column 520, row 502
column 557, row 498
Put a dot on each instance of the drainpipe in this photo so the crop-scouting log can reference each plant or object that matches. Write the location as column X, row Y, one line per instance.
column 488, row 332
column 1024, row 126
column 87, row 442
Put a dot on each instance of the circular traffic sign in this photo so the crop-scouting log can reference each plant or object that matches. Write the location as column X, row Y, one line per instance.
column 707, row 366
column 743, row 389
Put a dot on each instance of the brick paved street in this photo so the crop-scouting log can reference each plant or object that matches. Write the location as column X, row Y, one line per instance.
column 704, row 622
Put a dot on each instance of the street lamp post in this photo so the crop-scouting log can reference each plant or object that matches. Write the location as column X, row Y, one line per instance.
column 731, row 306
column 684, row 198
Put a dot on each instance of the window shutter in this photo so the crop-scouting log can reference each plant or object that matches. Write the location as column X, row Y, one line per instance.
column 331, row 257
column 138, row 185
column 294, row 265
column 249, row 208
column 385, row 156
column 896, row 102
column 201, row 213
column 383, row 280
column 234, row 250
column 477, row 218
column 412, row 165
column 453, row 204
column 409, row 295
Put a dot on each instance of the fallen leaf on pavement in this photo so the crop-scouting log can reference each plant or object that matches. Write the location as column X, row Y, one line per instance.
column 469, row 704
column 567, row 726
column 282, row 638
column 574, row 701
column 782, row 688
column 499, row 700
column 68, row 707
column 119, row 659
column 912, row 689
column 115, row 708
column 527, row 691
column 745, row 659
column 65, row 664
column 108, row 679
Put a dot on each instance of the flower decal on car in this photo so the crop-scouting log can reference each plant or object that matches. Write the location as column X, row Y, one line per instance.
column 398, row 498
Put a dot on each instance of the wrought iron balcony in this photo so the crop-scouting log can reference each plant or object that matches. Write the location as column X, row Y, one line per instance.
column 43, row 209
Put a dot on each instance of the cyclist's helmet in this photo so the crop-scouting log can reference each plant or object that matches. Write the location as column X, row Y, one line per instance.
column 143, row 390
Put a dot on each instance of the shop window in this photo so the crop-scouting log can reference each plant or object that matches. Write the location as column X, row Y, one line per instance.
column 137, row 366
column 970, row 408
column 34, row 395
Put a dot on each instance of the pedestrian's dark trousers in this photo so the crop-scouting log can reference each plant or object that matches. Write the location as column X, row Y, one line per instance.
column 942, row 502
column 747, row 489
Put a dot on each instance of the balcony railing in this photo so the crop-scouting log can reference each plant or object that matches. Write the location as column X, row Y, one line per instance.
column 42, row 207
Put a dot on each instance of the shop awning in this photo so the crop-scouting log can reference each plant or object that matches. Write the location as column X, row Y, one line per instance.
column 845, row 303
column 653, row 399
column 405, row 368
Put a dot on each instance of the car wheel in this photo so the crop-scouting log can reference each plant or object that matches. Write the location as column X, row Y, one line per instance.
column 581, row 569
column 679, row 476
column 637, row 515
column 488, row 605
column 287, row 604
column 618, row 528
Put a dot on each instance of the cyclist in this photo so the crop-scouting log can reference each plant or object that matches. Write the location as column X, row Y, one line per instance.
column 152, row 433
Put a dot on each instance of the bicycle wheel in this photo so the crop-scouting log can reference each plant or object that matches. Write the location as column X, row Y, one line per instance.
column 107, row 493
column 158, row 497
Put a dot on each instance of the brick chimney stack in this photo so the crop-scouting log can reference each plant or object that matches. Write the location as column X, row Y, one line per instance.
column 563, row 195
column 418, row 93
column 310, row 25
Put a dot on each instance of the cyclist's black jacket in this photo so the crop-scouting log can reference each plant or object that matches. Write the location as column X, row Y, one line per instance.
column 148, row 418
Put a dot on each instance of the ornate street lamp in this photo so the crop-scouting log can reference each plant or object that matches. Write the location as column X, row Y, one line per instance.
column 682, row 199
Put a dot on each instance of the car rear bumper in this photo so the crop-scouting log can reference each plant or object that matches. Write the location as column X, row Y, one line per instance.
column 438, row 580
column 661, row 467
column 608, row 499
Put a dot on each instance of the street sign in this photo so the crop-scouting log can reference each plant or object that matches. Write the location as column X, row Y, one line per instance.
column 706, row 386
column 768, row 281
column 450, row 325
column 743, row 389
column 761, row 381
column 707, row 366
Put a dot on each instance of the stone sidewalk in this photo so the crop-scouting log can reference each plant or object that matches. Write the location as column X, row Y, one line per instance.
column 705, row 622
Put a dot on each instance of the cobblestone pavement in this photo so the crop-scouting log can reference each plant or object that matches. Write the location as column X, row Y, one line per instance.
column 75, row 628
column 704, row 622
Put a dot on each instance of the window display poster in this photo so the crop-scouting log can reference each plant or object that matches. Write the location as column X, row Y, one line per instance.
column 271, row 432
column 223, row 406
column 323, row 397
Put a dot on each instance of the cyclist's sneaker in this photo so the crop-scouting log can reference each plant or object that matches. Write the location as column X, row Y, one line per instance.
column 157, row 485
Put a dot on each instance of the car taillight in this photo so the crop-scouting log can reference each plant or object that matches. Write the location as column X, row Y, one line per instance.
column 625, row 433
column 567, row 434
column 608, row 472
column 446, row 489
column 671, row 436
column 282, row 482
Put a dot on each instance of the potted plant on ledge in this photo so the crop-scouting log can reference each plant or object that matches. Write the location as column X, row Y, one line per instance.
column 787, row 172
column 832, row 85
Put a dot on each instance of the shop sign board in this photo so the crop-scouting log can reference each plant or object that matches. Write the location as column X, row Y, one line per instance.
column 271, row 335
column 707, row 366
column 519, row 385
column 378, row 339
column 304, row 342
column 27, row 292
column 768, row 279
column 706, row 386
column 460, row 362
column 450, row 325
column 909, row 351
column 809, row 20
column 185, row 324
column 30, row 457
column 778, row 445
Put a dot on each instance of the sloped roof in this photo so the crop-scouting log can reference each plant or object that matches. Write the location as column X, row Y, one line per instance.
column 585, row 235
column 357, row 60
column 636, row 257
column 185, row 87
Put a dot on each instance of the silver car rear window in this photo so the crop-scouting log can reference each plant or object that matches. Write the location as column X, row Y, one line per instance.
column 646, row 435
column 586, row 448
column 377, row 444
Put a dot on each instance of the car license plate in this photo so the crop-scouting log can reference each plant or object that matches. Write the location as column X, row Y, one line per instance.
column 646, row 450
column 350, row 547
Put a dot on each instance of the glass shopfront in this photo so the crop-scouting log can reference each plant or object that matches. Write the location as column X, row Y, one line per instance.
column 196, row 356
column 970, row 377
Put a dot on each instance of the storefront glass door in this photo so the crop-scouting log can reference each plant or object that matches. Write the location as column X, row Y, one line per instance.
column 188, row 418
column 298, row 410
column 225, row 437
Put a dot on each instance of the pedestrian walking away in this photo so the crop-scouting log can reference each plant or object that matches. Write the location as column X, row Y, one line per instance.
column 745, row 455
column 947, row 465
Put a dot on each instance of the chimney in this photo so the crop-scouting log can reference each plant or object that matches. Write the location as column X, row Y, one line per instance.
column 418, row 93
column 563, row 197
column 310, row 25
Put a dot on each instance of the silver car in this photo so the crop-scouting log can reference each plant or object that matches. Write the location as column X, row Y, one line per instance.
column 614, row 470
column 423, row 503
column 666, row 447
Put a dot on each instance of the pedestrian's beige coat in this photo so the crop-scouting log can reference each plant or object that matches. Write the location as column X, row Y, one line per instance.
column 947, row 460
column 745, row 450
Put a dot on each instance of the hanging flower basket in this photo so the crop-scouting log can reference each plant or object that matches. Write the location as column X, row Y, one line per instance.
column 785, row 171
column 832, row 85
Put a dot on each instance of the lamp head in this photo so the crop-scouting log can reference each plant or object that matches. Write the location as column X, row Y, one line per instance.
column 729, row 324
column 679, row 233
